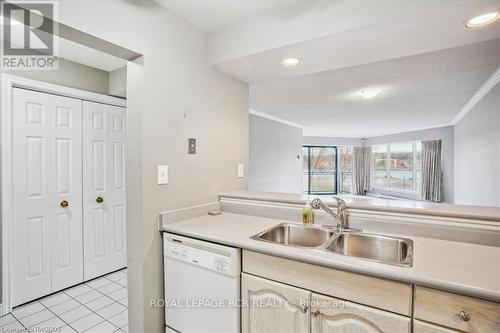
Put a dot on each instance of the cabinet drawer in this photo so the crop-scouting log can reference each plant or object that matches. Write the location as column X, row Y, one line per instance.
column 368, row 290
column 443, row 308
column 423, row 327
column 331, row 315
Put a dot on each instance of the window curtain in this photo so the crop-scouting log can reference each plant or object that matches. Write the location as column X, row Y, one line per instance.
column 431, row 187
column 361, row 169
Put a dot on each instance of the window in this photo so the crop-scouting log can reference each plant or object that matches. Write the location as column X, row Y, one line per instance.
column 397, row 166
column 418, row 163
column 401, row 163
column 320, row 170
column 380, row 165
column 345, row 169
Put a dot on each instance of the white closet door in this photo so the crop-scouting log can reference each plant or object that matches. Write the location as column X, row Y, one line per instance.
column 117, row 197
column 31, row 271
column 104, row 181
column 66, row 160
column 47, row 238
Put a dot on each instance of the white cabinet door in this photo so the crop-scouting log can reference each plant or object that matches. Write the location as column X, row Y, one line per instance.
column 103, row 189
column 66, row 178
column 47, row 238
column 271, row 307
column 331, row 315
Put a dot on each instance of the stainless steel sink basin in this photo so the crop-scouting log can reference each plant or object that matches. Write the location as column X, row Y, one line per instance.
column 350, row 242
column 385, row 249
column 296, row 235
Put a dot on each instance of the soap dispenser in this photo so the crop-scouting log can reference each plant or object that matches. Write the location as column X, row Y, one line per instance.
column 307, row 214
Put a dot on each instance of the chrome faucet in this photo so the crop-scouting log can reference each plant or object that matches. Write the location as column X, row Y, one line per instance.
column 340, row 217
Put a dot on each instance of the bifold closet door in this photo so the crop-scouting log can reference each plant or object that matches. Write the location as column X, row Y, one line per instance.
column 66, row 156
column 47, row 194
column 103, row 189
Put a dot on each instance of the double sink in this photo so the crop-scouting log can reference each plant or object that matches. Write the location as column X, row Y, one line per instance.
column 348, row 242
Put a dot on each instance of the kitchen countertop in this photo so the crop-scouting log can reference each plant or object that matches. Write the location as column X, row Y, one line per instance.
column 378, row 204
column 464, row 268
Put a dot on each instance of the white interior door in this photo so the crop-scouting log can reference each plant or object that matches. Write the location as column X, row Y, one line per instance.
column 103, row 188
column 31, row 271
column 66, row 178
column 47, row 238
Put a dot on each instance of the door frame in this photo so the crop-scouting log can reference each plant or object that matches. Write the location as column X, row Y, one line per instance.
column 7, row 83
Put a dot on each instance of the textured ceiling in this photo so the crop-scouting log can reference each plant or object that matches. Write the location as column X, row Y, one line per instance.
column 335, row 34
column 418, row 92
column 213, row 15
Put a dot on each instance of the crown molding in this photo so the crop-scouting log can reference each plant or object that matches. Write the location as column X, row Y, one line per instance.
column 485, row 88
column 273, row 118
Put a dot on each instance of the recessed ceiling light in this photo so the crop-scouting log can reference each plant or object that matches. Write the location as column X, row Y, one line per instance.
column 368, row 93
column 482, row 20
column 291, row 62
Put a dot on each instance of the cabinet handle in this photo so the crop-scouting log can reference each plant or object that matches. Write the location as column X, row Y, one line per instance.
column 64, row 204
column 99, row 200
column 303, row 308
column 464, row 316
column 315, row 312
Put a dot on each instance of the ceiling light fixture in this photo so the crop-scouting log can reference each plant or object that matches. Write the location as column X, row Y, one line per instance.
column 482, row 20
column 291, row 62
column 368, row 93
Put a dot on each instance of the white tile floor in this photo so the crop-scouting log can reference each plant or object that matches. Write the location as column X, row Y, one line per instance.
column 98, row 306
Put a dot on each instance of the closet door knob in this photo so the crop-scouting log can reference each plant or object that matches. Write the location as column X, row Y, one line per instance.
column 99, row 200
column 64, row 204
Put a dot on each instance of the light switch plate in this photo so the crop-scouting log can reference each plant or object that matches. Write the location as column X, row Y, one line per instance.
column 162, row 174
column 241, row 170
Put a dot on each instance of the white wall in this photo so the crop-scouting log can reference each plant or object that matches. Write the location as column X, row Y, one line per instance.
column 331, row 141
column 275, row 156
column 70, row 74
column 443, row 133
column 117, row 85
column 179, row 97
column 477, row 153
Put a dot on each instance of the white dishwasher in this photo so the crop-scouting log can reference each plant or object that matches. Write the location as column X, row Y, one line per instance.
column 202, row 286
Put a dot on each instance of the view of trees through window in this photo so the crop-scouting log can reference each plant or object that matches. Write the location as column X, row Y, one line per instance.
column 397, row 166
column 320, row 170
column 327, row 170
column 380, row 174
column 345, row 169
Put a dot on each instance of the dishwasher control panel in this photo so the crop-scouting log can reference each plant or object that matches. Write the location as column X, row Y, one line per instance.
column 220, row 258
